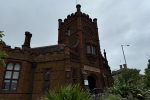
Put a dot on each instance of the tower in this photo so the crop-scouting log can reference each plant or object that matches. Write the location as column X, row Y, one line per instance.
column 79, row 33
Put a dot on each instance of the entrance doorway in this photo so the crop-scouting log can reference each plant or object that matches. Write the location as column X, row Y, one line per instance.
column 91, row 81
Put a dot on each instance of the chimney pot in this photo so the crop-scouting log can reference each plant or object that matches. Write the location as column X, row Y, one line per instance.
column 124, row 65
column 120, row 66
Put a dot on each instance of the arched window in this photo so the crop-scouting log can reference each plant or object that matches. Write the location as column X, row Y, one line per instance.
column 106, row 81
column 47, row 76
column 11, row 77
column 73, row 77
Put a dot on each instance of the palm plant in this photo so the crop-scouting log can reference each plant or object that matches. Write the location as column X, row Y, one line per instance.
column 69, row 92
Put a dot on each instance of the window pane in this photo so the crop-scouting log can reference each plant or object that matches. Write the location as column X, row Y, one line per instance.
column 13, row 85
column 74, row 75
column 94, row 50
column 88, row 49
column 47, row 75
column 74, row 82
column 46, row 85
column 6, row 85
column 10, row 66
column 15, row 75
column 8, row 74
column 17, row 67
column 68, row 32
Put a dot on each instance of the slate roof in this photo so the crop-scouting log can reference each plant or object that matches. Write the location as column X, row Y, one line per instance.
column 48, row 49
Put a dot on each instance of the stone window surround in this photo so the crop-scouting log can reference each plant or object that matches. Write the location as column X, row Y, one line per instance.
column 14, row 63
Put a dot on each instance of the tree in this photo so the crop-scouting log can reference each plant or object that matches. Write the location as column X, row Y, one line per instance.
column 147, row 75
column 2, row 53
column 128, row 83
column 127, row 74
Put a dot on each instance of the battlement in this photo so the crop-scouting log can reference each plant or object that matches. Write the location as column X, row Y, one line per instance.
column 67, row 20
column 75, row 15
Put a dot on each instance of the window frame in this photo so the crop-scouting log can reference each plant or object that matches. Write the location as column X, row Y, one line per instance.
column 47, row 80
column 106, row 81
column 11, row 79
column 87, row 48
column 74, row 70
column 44, row 75
column 91, row 49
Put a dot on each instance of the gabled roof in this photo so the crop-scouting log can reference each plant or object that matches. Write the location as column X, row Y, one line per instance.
column 48, row 49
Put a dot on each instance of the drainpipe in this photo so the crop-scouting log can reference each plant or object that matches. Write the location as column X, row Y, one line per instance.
column 33, row 65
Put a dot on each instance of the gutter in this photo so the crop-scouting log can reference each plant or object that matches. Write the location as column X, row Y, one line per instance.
column 33, row 65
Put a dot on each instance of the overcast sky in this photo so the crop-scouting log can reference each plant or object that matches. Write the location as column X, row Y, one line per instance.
column 120, row 22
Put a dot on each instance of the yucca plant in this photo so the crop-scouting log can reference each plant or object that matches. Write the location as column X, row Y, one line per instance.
column 69, row 92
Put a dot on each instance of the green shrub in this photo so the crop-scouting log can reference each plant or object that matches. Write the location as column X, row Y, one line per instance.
column 129, row 87
column 69, row 93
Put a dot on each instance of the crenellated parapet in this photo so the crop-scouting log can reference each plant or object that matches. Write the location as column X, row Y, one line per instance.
column 73, row 16
column 67, row 20
column 89, row 20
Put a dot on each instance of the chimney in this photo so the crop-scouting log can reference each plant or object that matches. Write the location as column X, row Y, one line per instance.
column 124, row 65
column 26, row 44
column 78, row 9
column 120, row 66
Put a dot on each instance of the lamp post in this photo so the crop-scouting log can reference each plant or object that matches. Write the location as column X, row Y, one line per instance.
column 123, row 53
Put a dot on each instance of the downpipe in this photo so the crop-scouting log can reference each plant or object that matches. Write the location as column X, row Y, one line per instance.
column 33, row 65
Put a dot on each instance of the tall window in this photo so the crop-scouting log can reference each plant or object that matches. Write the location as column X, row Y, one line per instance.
column 88, row 49
column 73, row 77
column 47, row 76
column 93, row 50
column 68, row 32
column 106, row 82
column 11, row 77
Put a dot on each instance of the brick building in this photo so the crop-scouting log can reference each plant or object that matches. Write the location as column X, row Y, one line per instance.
column 29, row 72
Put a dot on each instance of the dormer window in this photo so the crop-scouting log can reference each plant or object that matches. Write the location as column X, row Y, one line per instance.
column 68, row 32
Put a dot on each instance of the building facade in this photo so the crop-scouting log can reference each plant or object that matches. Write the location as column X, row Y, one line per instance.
column 77, row 58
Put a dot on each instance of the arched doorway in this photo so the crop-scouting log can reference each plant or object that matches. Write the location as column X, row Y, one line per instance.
column 92, row 82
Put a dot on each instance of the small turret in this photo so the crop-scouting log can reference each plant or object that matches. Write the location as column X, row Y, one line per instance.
column 59, row 21
column 95, row 21
column 78, row 9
